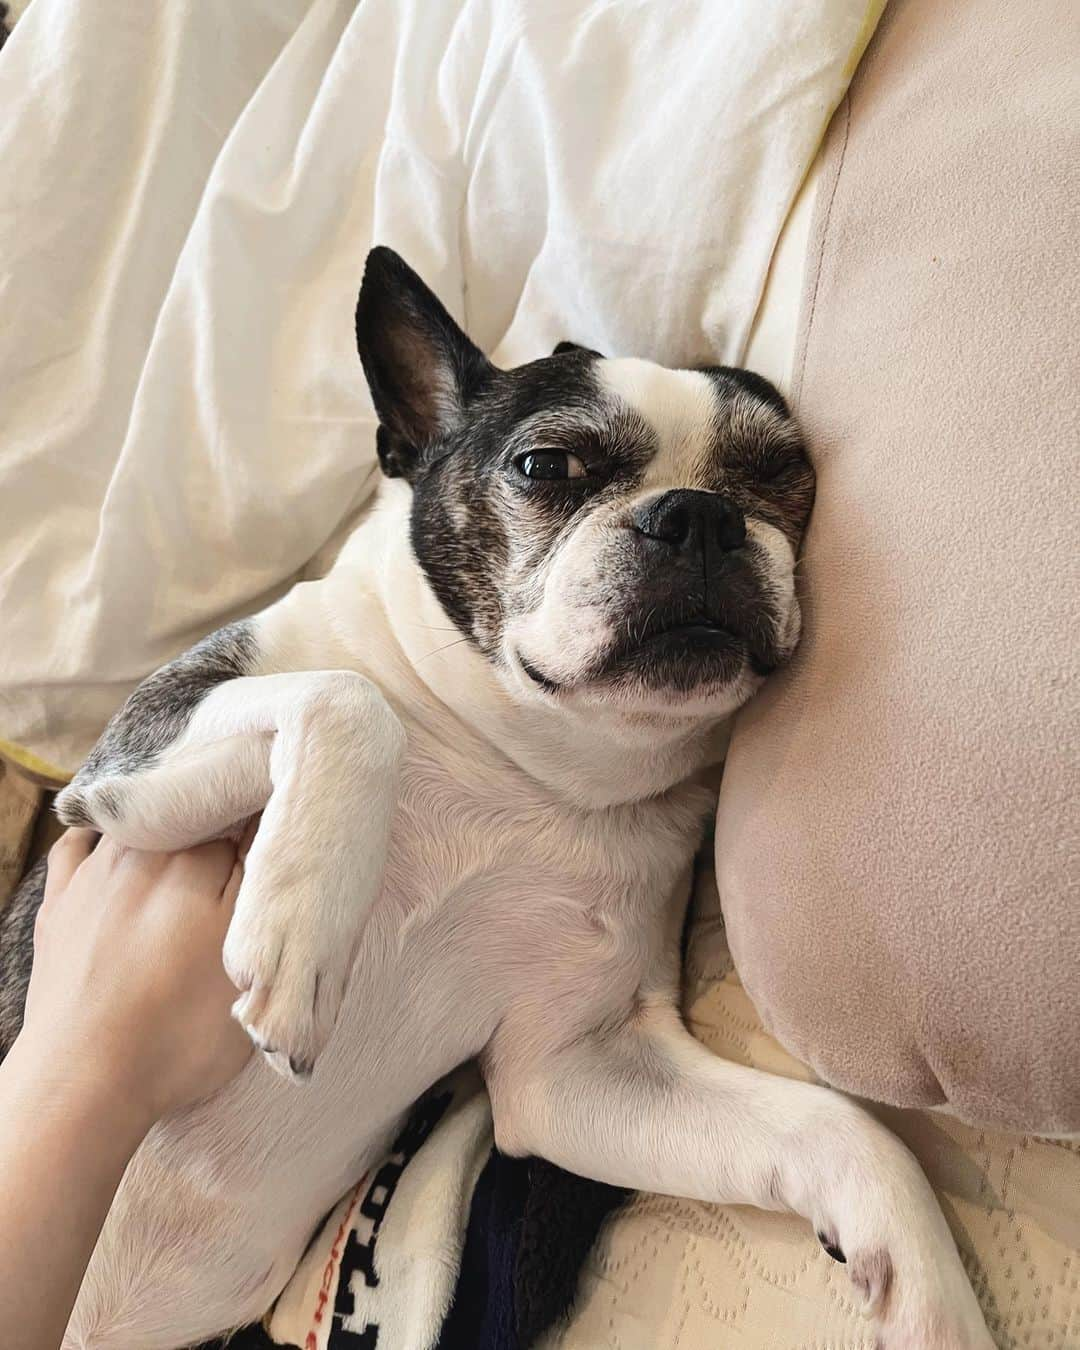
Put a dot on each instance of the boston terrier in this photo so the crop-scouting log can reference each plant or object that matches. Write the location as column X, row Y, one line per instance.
column 482, row 748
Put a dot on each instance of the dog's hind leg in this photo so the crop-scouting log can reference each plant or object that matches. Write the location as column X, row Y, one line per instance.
column 17, row 920
column 207, row 742
column 647, row 1106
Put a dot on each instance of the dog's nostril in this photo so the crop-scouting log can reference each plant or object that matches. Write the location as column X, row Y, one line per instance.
column 688, row 519
column 664, row 520
column 730, row 525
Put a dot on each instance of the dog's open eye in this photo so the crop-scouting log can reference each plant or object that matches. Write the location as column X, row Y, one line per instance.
column 551, row 464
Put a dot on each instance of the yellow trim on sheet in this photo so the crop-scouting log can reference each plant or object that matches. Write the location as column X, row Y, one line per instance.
column 873, row 13
column 26, row 759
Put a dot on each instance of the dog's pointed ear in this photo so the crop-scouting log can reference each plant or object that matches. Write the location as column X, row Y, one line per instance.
column 421, row 368
column 562, row 348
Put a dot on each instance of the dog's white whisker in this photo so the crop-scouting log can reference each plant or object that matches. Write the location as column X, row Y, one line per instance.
column 427, row 656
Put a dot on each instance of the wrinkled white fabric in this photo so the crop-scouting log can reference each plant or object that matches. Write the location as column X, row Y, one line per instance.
column 189, row 191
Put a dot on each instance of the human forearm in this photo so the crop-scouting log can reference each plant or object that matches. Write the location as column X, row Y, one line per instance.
column 66, row 1136
column 126, row 1020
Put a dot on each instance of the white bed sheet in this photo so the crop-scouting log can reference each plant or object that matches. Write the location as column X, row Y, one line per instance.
column 189, row 194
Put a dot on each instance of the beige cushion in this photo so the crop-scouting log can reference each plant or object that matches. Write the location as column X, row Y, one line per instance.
column 896, row 843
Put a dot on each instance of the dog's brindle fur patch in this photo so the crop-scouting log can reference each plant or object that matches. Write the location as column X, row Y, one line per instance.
column 472, row 545
column 156, row 713
column 17, row 952
column 150, row 720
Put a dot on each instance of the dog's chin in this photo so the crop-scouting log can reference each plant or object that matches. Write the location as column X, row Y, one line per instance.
column 684, row 659
column 700, row 668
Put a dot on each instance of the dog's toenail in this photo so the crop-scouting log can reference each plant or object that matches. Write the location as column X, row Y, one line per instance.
column 831, row 1249
column 300, row 1067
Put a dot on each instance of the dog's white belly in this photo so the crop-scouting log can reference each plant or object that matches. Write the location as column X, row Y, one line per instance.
column 219, row 1203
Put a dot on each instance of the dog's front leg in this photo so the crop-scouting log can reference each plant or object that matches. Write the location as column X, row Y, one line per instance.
column 647, row 1106
column 318, row 752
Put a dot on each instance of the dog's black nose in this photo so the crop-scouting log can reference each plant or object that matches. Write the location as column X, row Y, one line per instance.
column 686, row 520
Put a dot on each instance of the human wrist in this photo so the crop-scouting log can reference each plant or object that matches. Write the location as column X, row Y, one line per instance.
column 64, row 1075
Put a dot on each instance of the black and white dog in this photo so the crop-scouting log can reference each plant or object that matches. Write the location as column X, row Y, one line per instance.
column 480, row 747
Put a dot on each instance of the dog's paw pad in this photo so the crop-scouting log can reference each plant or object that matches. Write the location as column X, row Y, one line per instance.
column 871, row 1273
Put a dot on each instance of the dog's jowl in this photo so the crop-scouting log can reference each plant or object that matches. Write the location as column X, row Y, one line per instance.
column 480, row 747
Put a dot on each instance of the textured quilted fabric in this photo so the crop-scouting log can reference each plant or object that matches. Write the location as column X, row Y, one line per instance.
column 674, row 1275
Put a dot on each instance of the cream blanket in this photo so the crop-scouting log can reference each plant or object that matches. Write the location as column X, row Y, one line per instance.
column 188, row 196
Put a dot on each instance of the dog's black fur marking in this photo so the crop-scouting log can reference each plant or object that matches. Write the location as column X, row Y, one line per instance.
column 562, row 348
column 421, row 368
column 153, row 717
column 17, row 952
column 752, row 382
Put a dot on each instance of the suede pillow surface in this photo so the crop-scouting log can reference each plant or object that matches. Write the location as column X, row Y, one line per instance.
column 896, row 841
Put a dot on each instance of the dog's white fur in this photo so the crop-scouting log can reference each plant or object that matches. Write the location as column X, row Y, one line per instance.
column 504, row 872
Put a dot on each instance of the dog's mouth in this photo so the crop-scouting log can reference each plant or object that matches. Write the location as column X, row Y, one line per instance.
column 682, row 654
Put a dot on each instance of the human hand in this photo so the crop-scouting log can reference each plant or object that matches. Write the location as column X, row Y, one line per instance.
column 128, row 995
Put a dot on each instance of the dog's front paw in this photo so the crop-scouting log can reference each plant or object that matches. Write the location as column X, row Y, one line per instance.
column 95, row 804
column 290, row 955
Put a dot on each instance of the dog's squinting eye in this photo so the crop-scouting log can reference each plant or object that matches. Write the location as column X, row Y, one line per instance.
column 780, row 464
column 551, row 464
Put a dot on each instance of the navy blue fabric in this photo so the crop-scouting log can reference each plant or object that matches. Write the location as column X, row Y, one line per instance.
column 531, row 1227
column 563, row 1217
column 248, row 1338
column 481, row 1316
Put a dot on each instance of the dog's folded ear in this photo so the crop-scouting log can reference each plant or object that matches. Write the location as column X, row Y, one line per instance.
column 421, row 368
